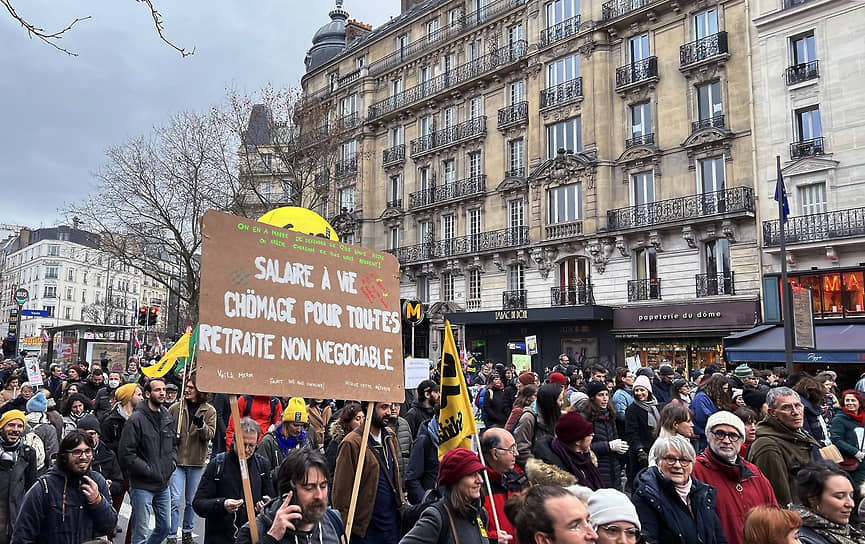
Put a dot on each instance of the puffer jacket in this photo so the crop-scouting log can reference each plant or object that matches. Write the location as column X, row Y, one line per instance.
column 778, row 452
column 401, row 429
column 19, row 478
column 434, row 525
column 148, row 450
column 609, row 462
column 421, row 475
column 55, row 510
column 194, row 438
column 739, row 488
column 664, row 516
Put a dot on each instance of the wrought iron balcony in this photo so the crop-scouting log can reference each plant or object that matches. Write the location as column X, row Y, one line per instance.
column 559, row 31
column 636, row 72
column 640, row 139
column 514, row 300
column 647, row 289
column 731, row 200
column 393, row 154
column 464, row 245
column 431, row 41
column 617, row 8
column 817, row 227
column 716, row 121
column 803, row 72
column 448, row 191
column 348, row 121
column 720, row 283
column 395, row 203
column 514, row 114
column 346, row 166
column 515, row 172
column 563, row 230
column 450, row 135
column 473, row 304
column 461, row 74
column 572, row 294
column 703, row 49
column 563, row 92
column 807, row 148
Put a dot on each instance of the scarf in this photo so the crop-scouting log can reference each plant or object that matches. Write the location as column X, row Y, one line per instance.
column 832, row 532
column 858, row 417
column 684, row 490
column 9, row 450
column 651, row 408
column 579, row 464
column 288, row 444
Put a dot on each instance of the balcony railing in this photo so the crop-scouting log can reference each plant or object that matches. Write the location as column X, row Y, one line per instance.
column 430, row 41
column 460, row 74
column 348, row 121
column 561, row 93
column 617, row 8
column 720, row 283
column 559, row 31
column 393, row 154
column 345, row 166
column 473, row 304
column 816, row 227
column 716, row 121
column 703, row 49
column 803, row 72
column 395, row 203
column 807, row 148
column 636, row 72
column 448, row 191
column 640, row 139
column 572, row 294
column 464, row 245
column 563, row 230
column 648, row 289
column 516, row 172
column 731, row 200
column 513, row 114
column 450, row 135
column 514, row 300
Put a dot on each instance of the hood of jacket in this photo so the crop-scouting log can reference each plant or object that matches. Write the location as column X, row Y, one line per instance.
column 337, row 431
column 540, row 473
column 771, row 427
column 431, row 429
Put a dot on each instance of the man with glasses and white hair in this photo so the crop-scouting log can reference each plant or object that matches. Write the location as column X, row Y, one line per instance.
column 740, row 484
column 506, row 479
column 782, row 445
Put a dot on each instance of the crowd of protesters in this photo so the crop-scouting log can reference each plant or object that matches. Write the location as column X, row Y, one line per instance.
column 653, row 455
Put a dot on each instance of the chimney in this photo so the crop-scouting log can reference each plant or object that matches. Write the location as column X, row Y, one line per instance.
column 408, row 4
column 355, row 29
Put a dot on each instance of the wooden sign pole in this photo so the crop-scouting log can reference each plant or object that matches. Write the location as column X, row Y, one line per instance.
column 361, row 458
column 244, row 471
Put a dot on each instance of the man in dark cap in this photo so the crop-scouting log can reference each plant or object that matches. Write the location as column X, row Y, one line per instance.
column 662, row 387
column 424, row 407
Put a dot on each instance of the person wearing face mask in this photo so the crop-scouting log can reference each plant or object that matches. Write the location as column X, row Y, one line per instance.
column 102, row 402
column 740, row 484
column 825, row 503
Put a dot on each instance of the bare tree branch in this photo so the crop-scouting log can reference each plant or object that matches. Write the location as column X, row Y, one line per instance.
column 157, row 22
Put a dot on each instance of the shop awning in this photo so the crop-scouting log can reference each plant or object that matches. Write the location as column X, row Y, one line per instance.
column 533, row 315
column 836, row 343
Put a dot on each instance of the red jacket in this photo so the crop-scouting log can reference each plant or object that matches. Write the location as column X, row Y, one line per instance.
column 261, row 411
column 733, row 502
column 513, row 484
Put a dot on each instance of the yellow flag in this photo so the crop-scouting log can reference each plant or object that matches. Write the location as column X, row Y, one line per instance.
column 456, row 419
column 180, row 349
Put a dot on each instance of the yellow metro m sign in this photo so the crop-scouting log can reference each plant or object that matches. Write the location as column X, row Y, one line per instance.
column 412, row 311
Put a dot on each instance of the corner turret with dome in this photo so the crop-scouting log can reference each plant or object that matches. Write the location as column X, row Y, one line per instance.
column 329, row 41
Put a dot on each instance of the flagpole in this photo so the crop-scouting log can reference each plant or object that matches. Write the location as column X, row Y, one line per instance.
column 786, row 306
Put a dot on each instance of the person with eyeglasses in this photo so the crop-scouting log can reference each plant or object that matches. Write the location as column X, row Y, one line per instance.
column 782, row 444
column 547, row 514
column 70, row 503
column 614, row 517
column 673, row 506
column 740, row 484
column 506, row 478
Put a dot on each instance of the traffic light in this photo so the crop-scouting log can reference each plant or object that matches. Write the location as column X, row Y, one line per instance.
column 142, row 315
column 153, row 316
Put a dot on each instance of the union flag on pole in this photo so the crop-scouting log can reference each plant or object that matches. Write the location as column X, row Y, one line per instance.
column 456, row 418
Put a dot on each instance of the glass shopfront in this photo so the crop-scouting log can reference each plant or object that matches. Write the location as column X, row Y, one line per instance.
column 835, row 294
column 691, row 354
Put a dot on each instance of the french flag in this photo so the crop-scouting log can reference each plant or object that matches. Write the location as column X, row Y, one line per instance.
column 135, row 339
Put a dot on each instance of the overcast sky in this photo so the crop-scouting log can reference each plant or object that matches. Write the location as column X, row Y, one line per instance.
column 59, row 113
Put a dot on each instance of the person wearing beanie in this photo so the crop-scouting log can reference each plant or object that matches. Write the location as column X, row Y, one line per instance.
column 558, row 378
column 570, row 449
column 104, row 460
column 18, row 469
column 608, row 448
column 288, row 435
column 128, row 397
column 662, row 387
column 37, row 420
column 454, row 517
column 641, row 419
column 740, row 484
column 612, row 516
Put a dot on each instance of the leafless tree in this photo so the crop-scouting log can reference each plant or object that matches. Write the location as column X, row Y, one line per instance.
column 53, row 37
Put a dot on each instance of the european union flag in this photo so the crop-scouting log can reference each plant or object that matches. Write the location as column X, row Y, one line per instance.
column 781, row 195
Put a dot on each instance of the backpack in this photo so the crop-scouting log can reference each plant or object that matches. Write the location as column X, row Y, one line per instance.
column 247, row 407
column 336, row 522
column 479, row 401
column 412, row 513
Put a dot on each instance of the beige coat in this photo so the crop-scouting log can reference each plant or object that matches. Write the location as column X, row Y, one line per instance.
column 193, row 438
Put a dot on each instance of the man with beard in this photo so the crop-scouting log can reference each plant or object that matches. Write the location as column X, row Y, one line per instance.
column 424, row 407
column 740, row 484
column 300, row 514
column 17, row 470
column 147, row 453
column 376, row 519
column 70, row 504
column 93, row 384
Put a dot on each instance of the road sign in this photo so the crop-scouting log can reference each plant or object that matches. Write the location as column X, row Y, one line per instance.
column 35, row 313
column 412, row 311
column 22, row 296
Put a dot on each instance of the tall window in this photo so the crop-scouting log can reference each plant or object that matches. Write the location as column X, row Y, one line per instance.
column 395, row 188
column 646, row 263
column 516, row 92
column 474, row 164
column 50, row 310
column 424, row 77
column 813, row 198
column 473, row 221
column 449, row 171
column 423, row 288
column 426, row 125
column 565, row 203
column 70, row 275
column 803, row 48
column 515, row 34
column 50, row 291
column 449, row 117
column 426, row 232
column 709, row 100
column 808, row 124
column 563, row 69
column 473, row 50
column 711, row 172
column 562, row 10
column 447, row 231
column 360, row 62
column 395, row 135
column 67, row 313
column 638, row 47
column 474, row 288
column 393, row 238
column 705, row 23
column 447, row 287
column 565, row 135
column 516, row 216
column 348, row 150
column 717, row 256
column 643, row 188
column 401, row 43
column 395, row 86
column 53, row 250
column 454, row 16
column 346, row 198
column 476, row 107
column 69, row 293
column 516, row 278
column 349, row 104
column 51, row 272
column 424, row 179
column 449, row 62
column 641, row 120
column 431, row 30
column 515, row 157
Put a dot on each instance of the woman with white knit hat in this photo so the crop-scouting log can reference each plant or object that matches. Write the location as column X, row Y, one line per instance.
column 613, row 517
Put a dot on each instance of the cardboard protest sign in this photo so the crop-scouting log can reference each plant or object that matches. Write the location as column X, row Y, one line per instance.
column 289, row 314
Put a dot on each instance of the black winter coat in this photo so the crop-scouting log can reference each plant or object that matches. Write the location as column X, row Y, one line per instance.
column 639, row 437
column 148, row 448
column 417, row 415
column 421, row 474
column 21, row 477
column 220, row 481
column 112, row 427
column 434, row 526
column 494, row 406
column 609, row 463
column 105, row 463
column 666, row 519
